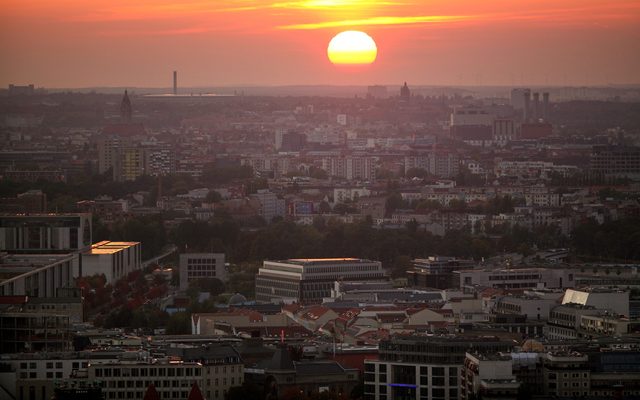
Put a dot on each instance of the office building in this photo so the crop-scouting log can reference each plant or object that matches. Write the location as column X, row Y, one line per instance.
column 517, row 278
column 600, row 298
column 114, row 260
column 36, row 275
column 195, row 266
column 309, row 280
column 222, row 367
column 488, row 376
column 423, row 367
column 615, row 161
column 437, row 272
column 129, row 379
column 44, row 233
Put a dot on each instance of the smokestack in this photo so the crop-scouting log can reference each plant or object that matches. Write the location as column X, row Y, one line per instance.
column 527, row 105
column 175, row 83
column 536, row 107
column 545, row 106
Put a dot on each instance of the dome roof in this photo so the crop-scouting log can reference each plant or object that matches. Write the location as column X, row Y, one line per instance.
column 237, row 299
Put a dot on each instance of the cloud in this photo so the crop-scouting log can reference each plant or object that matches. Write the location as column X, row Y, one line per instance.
column 407, row 20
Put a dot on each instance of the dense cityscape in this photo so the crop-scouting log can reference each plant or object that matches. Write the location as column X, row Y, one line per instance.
column 430, row 243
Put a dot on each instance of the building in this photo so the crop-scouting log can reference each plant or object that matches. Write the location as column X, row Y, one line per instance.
column 281, row 374
column 114, row 260
column 488, row 376
column 438, row 161
column 194, row 266
column 564, row 321
column 600, row 298
column 566, row 374
column 616, row 161
column 125, row 379
column 33, row 332
column 350, row 168
column 222, row 367
column 36, row 275
column 309, row 280
column 436, row 272
column 46, row 233
column 423, row 367
column 270, row 205
column 405, row 92
column 31, row 201
column 517, row 278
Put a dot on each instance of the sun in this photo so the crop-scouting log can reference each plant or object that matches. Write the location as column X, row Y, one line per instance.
column 352, row 48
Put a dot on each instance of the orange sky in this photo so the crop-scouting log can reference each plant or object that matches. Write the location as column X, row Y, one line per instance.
column 80, row 43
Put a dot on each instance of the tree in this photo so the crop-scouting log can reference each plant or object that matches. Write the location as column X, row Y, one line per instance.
column 179, row 324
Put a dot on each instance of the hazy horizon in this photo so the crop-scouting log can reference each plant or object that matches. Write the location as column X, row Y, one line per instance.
column 76, row 44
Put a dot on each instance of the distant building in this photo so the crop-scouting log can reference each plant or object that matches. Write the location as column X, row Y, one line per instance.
column 194, row 266
column 113, row 259
column 405, row 92
column 616, row 161
column 17, row 90
column 517, row 278
column 377, row 91
column 36, row 275
column 309, row 280
column 601, row 298
column 44, row 232
column 350, row 168
column 31, row 201
column 270, row 205
column 436, row 272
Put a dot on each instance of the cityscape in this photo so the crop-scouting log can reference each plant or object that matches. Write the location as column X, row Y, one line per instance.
column 351, row 221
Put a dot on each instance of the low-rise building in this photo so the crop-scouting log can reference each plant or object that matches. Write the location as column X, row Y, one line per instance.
column 194, row 266
column 309, row 280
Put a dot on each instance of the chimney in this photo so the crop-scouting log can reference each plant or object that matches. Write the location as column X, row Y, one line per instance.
column 527, row 105
column 545, row 106
column 536, row 107
column 175, row 83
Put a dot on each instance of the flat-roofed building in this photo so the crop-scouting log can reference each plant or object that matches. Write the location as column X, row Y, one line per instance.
column 517, row 278
column 424, row 367
column 126, row 379
column 437, row 272
column 113, row 259
column 601, row 298
column 44, row 232
column 194, row 266
column 36, row 275
column 488, row 376
column 309, row 280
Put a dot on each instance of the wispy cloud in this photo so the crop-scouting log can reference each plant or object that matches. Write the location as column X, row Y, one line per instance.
column 406, row 20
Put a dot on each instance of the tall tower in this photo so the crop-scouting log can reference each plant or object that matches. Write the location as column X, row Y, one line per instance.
column 536, row 107
column 175, row 83
column 405, row 92
column 125, row 108
column 545, row 106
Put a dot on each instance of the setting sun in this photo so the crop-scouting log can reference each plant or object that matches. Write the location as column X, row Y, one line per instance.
column 352, row 47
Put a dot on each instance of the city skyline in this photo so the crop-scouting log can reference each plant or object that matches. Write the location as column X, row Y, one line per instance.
column 77, row 44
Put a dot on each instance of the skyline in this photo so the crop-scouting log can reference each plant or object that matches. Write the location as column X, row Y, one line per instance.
column 104, row 44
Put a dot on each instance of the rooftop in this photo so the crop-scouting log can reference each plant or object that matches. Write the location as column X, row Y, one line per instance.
column 108, row 247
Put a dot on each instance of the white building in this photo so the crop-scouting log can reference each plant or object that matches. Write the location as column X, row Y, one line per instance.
column 309, row 280
column 36, row 275
column 194, row 266
column 517, row 278
column 113, row 259
column 42, row 232
column 600, row 298
column 270, row 205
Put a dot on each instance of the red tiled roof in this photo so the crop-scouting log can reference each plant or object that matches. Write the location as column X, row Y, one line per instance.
column 195, row 393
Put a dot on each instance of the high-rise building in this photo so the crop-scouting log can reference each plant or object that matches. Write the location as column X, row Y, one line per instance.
column 405, row 92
